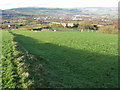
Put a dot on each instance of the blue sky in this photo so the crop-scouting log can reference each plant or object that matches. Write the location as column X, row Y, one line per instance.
column 8, row 4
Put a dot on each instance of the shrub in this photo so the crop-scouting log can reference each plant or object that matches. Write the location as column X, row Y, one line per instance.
column 108, row 29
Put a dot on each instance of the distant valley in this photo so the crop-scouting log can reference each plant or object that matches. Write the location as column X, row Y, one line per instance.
column 60, row 12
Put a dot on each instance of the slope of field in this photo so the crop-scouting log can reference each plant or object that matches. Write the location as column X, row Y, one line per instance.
column 74, row 59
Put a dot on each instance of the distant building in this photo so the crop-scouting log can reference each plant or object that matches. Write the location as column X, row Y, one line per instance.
column 63, row 24
column 77, row 18
column 13, row 26
column 45, row 30
column 70, row 24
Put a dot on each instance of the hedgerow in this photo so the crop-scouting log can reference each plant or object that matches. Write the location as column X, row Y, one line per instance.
column 12, row 64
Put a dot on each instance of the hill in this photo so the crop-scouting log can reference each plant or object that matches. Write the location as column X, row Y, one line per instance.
column 35, row 11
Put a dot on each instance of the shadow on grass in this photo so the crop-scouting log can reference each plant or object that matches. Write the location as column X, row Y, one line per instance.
column 60, row 66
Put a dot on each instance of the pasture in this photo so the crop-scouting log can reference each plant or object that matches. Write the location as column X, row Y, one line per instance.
column 70, row 59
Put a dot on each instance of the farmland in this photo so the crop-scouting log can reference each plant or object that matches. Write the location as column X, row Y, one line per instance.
column 66, row 59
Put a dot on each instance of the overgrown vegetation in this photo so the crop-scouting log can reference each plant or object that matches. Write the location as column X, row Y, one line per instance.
column 11, row 66
column 108, row 29
column 19, row 67
column 0, row 60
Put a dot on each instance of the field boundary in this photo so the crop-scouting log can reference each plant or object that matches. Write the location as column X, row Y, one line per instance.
column 11, row 72
column 29, row 70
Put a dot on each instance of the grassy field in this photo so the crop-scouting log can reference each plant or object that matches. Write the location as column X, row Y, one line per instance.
column 70, row 59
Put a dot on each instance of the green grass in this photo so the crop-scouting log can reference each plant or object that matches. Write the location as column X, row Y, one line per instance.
column 13, row 65
column 104, row 23
column 73, row 59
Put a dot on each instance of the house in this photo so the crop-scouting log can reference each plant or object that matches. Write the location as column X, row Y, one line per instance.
column 63, row 24
column 45, row 30
column 13, row 26
column 70, row 25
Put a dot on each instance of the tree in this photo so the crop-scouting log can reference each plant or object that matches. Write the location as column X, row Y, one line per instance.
column 75, row 25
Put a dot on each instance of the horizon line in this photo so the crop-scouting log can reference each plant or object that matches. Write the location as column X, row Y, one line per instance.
column 62, row 7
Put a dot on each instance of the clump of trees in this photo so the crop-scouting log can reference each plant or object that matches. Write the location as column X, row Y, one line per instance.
column 91, row 27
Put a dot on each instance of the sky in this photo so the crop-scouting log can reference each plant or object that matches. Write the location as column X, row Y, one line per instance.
column 8, row 4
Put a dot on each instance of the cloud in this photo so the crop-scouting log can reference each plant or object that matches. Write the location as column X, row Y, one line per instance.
column 6, row 4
